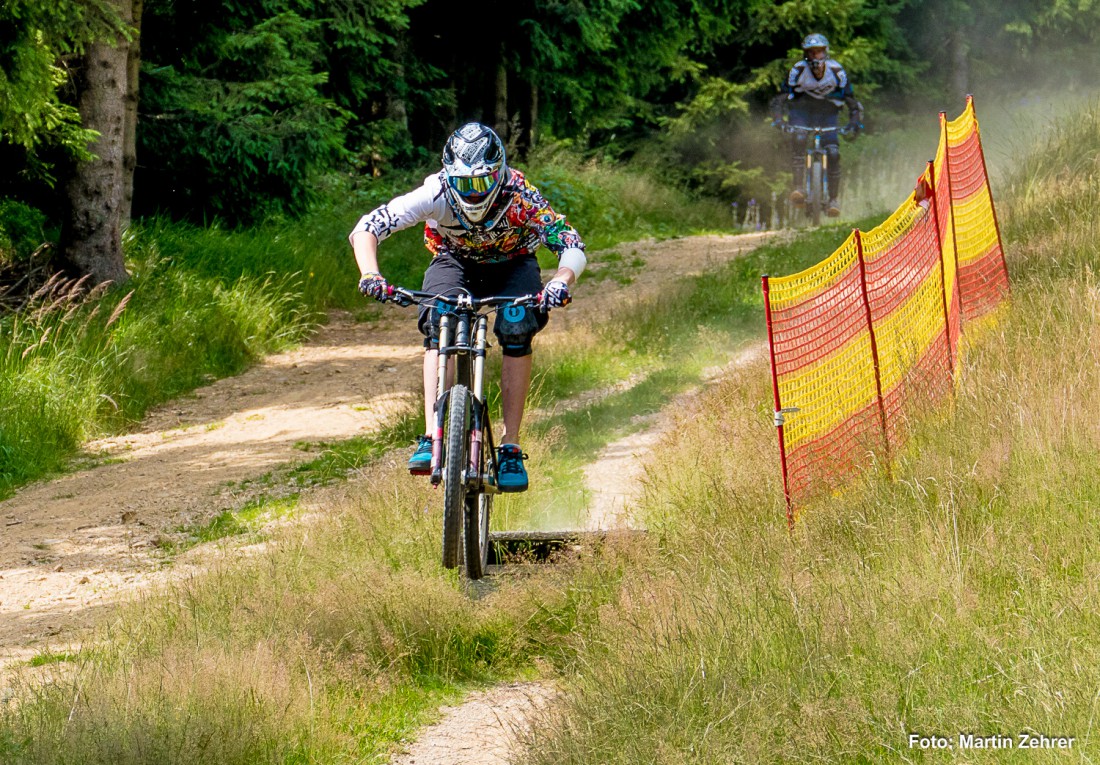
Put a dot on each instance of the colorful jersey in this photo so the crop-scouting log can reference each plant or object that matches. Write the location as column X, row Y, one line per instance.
column 528, row 222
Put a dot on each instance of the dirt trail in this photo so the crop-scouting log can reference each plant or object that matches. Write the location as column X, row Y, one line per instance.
column 484, row 730
column 70, row 547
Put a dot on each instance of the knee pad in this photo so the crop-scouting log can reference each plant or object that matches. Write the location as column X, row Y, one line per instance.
column 515, row 326
column 833, row 152
column 428, row 324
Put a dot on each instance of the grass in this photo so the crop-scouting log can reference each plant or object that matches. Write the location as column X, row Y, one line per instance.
column 78, row 365
column 334, row 640
column 330, row 645
column 958, row 597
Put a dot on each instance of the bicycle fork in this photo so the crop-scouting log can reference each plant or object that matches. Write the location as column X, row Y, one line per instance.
column 477, row 419
column 811, row 152
column 460, row 327
column 440, row 398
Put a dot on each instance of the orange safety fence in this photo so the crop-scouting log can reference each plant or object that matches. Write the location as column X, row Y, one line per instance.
column 873, row 330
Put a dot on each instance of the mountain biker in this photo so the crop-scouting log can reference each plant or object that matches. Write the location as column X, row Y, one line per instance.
column 483, row 222
column 814, row 92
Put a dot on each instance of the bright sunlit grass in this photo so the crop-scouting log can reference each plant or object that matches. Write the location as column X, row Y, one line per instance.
column 955, row 594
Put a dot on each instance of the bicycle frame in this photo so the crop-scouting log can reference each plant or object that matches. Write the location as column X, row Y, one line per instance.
column 817, row 168
column 463, row 340
column 469, row 366
column 816, row 195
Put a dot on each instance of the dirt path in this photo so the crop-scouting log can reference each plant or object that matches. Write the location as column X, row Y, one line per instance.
column 614, row 480
column 70, row 547
column 484, row 730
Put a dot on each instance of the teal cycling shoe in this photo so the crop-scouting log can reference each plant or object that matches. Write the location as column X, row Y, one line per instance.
column 512, row 476
column 420, row 463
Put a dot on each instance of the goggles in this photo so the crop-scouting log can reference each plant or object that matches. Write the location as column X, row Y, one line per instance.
column 474, row 186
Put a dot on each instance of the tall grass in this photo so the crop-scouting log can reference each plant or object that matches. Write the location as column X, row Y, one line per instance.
column 955, row 594
column 325, row 647
column 76, row 365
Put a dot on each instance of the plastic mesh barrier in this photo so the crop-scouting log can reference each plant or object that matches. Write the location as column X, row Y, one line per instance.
column 872, row 332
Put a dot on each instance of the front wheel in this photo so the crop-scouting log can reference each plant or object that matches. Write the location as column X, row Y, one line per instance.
column 455, row 458
column 817, row 192
column 478, row 508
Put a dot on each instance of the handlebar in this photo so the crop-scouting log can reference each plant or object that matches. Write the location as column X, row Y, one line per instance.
column 787, row 127
column 404, row 297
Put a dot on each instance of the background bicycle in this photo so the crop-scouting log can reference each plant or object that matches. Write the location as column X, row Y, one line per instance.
column 815, row 190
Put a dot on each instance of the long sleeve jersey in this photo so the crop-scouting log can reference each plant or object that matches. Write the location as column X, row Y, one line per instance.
column 527, row 223
column 804, row 91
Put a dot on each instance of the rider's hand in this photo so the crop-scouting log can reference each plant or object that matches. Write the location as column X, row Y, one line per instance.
column 853, row 128
column 777, row 122
column 555, row 295
column 374, row 285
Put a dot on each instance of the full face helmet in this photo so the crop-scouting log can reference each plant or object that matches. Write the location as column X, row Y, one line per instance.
column 812, row 45
column 475, row 170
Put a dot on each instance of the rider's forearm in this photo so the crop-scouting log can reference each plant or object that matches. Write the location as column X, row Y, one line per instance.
column 566, row 275
column 365, row 246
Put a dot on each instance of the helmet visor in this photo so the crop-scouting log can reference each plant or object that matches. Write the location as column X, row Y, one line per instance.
column 476, row 187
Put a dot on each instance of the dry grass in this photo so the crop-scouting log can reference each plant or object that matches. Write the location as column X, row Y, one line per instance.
column 958, row 597
column 328, row 645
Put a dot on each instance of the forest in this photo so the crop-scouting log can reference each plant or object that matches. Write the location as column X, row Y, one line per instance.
column 241, row 111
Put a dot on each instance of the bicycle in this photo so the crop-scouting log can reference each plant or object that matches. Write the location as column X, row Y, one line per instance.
column 817, row 168
column 462, row 428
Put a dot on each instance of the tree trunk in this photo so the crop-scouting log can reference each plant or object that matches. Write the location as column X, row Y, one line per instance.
column 129, row 135
column 500, row 110
column 533, row 117
column 92, row 233
column 396, row 108
column 960, row 63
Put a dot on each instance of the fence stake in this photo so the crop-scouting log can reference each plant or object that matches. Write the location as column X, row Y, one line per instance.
column 951, row 205
column 778, row 406
column 874, row 343
column 989, row 191
column 943, row 268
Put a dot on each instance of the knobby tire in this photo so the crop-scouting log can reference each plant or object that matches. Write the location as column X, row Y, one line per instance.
column 478, row 508
column 455, row 459
column 817, row 192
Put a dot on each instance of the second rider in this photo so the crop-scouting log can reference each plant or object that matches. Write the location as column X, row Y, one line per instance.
column 483, row 223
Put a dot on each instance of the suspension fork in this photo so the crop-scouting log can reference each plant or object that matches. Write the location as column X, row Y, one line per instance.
column 440, row 397
column 478, row 419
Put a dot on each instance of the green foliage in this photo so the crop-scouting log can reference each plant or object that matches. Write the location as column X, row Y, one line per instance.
column 22, row 231
column 244, row 131
column 34, row 35
column 76, row 366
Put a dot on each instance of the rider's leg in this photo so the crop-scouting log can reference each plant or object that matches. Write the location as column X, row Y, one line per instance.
column 515, row 381
column 798, row 168
column 443, row 276
column 833, row 155
column 799, row 117
column 514, row 328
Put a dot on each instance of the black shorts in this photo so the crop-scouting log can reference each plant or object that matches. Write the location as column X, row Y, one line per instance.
column 447, row 275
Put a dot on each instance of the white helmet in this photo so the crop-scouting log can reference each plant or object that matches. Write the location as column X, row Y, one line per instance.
column 814, row 40
column 473, row 163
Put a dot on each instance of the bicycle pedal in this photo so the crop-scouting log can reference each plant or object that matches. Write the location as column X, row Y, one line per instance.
column 420, row 471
